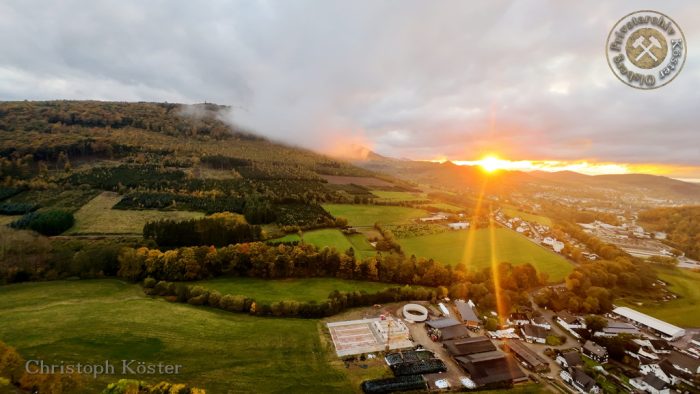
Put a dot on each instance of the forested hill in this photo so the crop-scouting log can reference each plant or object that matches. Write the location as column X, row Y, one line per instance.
column 160, row 156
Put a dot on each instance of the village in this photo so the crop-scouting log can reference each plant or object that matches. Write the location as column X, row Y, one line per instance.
column 453, row 346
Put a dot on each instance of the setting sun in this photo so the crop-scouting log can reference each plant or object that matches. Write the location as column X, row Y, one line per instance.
column 492, row 163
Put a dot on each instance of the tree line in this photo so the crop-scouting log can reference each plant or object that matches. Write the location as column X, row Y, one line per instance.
column 260, row 260
column 218, row 230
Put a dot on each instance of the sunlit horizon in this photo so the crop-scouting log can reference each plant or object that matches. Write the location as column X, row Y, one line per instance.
column 492, row 163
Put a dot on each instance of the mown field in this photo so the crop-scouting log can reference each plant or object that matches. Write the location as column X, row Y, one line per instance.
column 451, row 248
column 512, row 212
column 385, row 195
column 335, row 238
column 446, row 207
column 98, row 217
column 307, row 289
column 367, row 215
column 97, row 320
column 682, row 311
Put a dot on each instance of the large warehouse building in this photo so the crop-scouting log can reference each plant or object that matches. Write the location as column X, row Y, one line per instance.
column 666, row 330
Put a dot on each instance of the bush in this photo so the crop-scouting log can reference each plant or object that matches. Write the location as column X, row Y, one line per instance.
column 149, row 283
column 554, row 340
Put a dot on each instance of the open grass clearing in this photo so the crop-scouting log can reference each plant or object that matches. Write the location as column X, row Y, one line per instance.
column 368, row 215
column 297, row 289
column 98, row 217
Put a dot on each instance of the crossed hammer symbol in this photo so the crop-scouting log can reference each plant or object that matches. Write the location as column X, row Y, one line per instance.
column 639, row 42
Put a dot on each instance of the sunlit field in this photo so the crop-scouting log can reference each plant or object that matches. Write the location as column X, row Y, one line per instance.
column 397, row 196
column 367, row 215
column 90, row 321
column 332, row 237
column 512, row 212
column 306, row 289
column 682, row 311
column 450, row 248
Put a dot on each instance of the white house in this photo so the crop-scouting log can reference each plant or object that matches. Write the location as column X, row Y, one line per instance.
column 534, row 334
column 650, row 384
column 458, row 225
column 555, row 244
column 578, row 379
column 569, row 359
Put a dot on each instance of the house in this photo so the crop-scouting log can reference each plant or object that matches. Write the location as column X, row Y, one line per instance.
column 640, row 352
column 674, row 374
column 466, row 314
column 696, row 340
column 569, row 321
column 684, row 363
column 540, row 321
column 650, row 384
column 595, row 352
column 534, row 334
column 458, row 225
column 569, row 359
column 578, row 379
column 518, row 319
column 555, row 244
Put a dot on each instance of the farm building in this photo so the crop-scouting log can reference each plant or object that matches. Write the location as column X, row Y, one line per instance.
column 442, row 323
column 518, row 319
column 540, row 321
column 667, row 330
column 523, row 353
column 615, row 328
column 534, row 334
column 466, row 313
column 446, row 329
column 367, row 336
column 458, row 225
column 491, row 369
column 467, row 346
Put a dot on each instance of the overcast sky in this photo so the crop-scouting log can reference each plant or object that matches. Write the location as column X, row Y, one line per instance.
column 418, row 79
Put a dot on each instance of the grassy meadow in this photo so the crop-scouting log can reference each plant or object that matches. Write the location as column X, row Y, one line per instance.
column 272, row 290
column 446, row 207
column 97, row 320
column 451, row 248
column 98, row 217
column 682, row 311
column 397, row 196
column 512, row 212
column 367, row 215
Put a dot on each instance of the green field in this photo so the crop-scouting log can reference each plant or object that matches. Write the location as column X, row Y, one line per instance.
column 446, row 207
column 330, row 237
column 512, row 212
column 367, row 215
column 98, row 217
column 97, row 320
column 451, row 248
column 397, row 196
column 272, row 290
column 682, row 311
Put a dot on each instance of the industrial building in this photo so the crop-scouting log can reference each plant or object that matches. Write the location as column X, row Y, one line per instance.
column 666, row 330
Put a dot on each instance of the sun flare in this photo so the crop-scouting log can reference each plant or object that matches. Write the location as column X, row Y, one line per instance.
column 492, row 163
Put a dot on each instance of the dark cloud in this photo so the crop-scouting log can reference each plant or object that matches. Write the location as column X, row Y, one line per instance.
column 408, row 78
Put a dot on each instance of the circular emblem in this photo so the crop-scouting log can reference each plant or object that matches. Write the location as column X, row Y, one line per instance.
column 646, row 49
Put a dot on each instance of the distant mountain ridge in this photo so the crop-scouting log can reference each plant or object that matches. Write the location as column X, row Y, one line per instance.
column 448, row 173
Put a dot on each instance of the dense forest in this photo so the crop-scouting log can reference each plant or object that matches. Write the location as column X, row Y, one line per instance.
column 163, row 156
column 681, row 225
